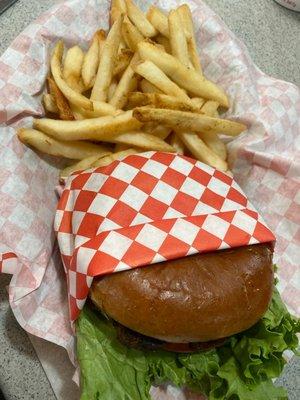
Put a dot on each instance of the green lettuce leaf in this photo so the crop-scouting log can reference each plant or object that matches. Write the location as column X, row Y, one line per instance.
column 241, row 369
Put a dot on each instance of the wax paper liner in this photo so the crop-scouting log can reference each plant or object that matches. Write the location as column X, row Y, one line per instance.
column 265, row 160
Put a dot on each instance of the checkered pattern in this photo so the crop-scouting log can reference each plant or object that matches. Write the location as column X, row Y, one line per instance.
column 145, row 209
column 265, row 160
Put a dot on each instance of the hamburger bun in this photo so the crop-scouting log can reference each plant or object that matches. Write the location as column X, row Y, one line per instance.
column 199, row 298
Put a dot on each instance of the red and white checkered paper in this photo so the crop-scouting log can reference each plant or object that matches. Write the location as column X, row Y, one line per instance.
column 265, row 159
column 145, row 209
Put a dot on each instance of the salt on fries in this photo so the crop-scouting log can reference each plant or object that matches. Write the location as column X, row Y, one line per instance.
column 138, row 86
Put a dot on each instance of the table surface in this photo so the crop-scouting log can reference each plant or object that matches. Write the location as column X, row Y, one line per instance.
column 271, row 34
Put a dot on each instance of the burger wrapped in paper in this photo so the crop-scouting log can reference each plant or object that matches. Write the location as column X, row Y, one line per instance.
column 177, row 266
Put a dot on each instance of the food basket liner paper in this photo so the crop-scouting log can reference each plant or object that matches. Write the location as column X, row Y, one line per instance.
column 264, row 160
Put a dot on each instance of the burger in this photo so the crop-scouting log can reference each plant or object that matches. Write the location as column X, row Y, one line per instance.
column 213, row 322
column 191, row 303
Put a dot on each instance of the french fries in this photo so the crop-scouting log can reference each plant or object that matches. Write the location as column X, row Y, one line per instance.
column 147, row 87
column 177, row 39
column 160, row 131
column 101, row 35
column 64, row 110
column 141, row 140
column 187, row 121
column 197, row 102
column 49, row 103
column 107, row 61
column 122, row 62
column 91, row 59
column 73, row 150
column 177, row 143
column 139, row 19
column 157, row 100
column 74, row 97
column 187, row 21
column 101, row 109
column 72, row 68
column 186, row 78
column 126, row 84
column 211, row 139
column 164, row 41
column 88, row 129
column 200, row 151
column 112, row 89
column 154, row 75
column 118, row 7
column 140, row 86
column 131, row 34
column 159, row 20
column 210, row 107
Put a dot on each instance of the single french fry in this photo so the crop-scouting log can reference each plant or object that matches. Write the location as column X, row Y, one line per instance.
column 178, row 39
column 200, row 151
column 78, row 112
column 159, row 20
column 101, row 35
column 112, row 89
column 49, row 103
column 194, row 56
column 107, row 62
column 177, row 143
column 122, row 61
column 64, row 110
column 91, row 59
column 72, row 66
column 88, row 129
column 210, row 107
column 118, row 7
column 187, row 121
column 131, row 34
column 82, row 165
column 126, row 84
column 160, row 131
column 139, row 139
column 121, row 94
column 122, row 46
column 158, row 78
column 198, row 102
column 139, row 99
column 164, row 41
column 101, row 109
column 73, row 96
column 187, row 22
column 147, row 87
column 212, row 140
column 139, row 19
column 74, row 150
column 186, row 78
